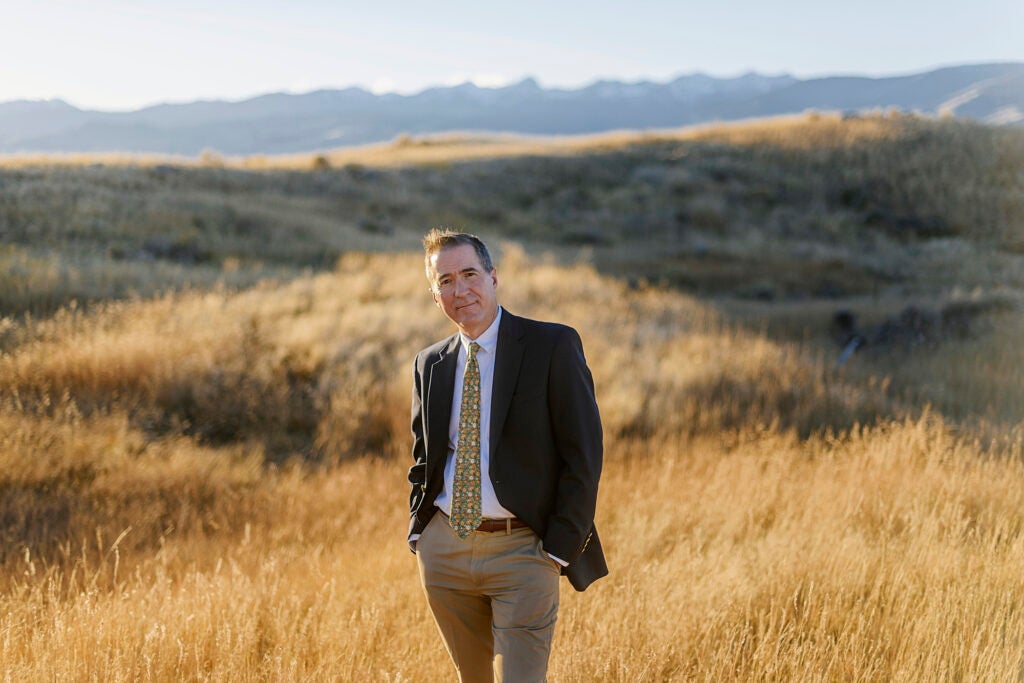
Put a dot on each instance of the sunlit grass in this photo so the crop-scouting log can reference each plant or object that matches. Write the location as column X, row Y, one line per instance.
column 149, row 536
column 830, row 129
column 204, row 391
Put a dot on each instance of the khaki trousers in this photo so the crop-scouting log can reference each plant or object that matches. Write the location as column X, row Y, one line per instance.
column 494, row 596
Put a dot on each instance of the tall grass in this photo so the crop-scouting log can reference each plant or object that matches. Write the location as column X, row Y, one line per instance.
column 883, row 554
column 211, row 486
column 292, row 364
column 204, row 389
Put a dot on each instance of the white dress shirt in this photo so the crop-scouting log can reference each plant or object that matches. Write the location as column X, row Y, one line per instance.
column 488, row 341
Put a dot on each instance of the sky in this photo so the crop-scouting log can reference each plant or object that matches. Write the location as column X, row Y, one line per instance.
column 121, row 55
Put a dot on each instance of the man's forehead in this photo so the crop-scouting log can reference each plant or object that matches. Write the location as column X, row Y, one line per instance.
column 455, row 260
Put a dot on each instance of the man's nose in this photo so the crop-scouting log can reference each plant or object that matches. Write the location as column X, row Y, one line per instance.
column 461, row 287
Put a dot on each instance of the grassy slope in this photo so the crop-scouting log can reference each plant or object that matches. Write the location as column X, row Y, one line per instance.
column 155, row 526
column 787, row 208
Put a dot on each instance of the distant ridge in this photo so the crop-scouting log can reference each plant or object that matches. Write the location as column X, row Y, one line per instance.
column 281, row 123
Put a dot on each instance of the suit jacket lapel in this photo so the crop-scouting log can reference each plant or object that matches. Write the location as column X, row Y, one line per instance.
column 439, row 406
column 506, row 372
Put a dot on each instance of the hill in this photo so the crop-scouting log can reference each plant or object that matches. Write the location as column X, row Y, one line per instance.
column 281, row 123
column 782, row 210
column 205, row 371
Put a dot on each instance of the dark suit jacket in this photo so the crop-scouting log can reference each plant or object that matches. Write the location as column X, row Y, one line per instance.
column 545, row 438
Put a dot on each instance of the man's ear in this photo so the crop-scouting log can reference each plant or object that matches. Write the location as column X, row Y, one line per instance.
column 433, row 295
column 494, row 277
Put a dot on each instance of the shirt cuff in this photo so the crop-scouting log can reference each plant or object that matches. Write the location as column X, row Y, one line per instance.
column 558, row 560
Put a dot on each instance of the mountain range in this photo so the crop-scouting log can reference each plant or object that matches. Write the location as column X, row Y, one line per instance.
column 283, row 123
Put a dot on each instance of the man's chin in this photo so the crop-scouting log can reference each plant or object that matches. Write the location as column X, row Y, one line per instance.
column 472, row 323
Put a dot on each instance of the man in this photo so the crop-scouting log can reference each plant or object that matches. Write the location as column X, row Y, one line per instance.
column 507, row 446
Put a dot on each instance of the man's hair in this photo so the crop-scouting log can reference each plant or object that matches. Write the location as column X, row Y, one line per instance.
column 439, row 239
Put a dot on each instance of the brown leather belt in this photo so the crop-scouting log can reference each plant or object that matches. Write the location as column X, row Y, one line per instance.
column 492, row 525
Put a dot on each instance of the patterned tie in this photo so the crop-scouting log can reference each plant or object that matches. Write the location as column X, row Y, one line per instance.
column 466, row 514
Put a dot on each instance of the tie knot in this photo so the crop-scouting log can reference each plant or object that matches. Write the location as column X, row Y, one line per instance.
column 473, row 348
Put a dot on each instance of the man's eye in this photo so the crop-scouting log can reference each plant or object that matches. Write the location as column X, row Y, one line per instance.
column 470, row 275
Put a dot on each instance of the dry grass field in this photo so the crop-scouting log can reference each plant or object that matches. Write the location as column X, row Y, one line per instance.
column 814, row 206
column 202, row 462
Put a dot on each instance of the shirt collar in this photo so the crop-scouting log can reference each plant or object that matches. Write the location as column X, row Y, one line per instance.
column 488, row 340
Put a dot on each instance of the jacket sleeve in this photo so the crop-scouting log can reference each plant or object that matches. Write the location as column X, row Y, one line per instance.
column 576, row 423
column 418, row 471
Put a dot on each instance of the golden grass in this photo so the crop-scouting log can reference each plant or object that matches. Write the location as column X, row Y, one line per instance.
column 888, row 554
column 828, row 129
column 210, row 484
column 806, row 132
column 756, row 531
column 227, row 361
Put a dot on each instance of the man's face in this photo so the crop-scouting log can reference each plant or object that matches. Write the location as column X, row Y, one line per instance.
column 463, row 289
